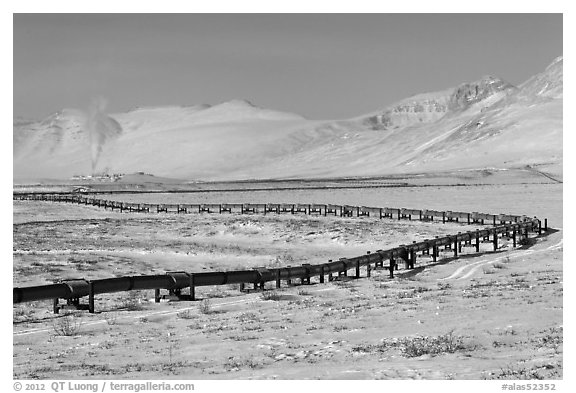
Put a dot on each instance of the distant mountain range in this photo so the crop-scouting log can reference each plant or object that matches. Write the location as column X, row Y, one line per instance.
column 485, row 123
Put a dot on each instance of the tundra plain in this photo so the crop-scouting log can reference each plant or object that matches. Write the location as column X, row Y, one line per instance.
column 493, row 315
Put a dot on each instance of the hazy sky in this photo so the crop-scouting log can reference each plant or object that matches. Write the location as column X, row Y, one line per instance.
column 321, row 66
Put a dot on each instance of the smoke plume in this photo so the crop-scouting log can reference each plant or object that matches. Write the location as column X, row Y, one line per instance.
column 97, row 125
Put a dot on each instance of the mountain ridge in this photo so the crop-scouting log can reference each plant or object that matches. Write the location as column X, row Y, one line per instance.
column 487, row 122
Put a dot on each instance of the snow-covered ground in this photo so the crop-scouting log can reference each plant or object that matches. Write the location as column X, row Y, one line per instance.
column 499, row 313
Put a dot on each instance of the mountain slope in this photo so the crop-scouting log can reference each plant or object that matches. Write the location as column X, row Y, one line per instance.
column 485, row 123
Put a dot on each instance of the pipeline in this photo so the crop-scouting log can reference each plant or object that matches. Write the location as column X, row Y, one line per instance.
column 511, row 226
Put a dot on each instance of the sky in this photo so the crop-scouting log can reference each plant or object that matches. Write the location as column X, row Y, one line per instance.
column 320, row 66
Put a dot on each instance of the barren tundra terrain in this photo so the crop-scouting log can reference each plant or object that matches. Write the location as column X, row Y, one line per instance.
column 494, row 315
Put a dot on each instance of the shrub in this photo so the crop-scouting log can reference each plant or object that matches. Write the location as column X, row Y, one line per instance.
column 271, row 295
column 205, row 307
column 517, row 373
column 185, row 314
column 421, row 345
column 447, row 343
column 110, row 318
column 67, row 325
column 248, row 317
column 488, row 270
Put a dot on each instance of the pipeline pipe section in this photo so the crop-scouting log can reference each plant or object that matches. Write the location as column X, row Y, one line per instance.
column 503, row 225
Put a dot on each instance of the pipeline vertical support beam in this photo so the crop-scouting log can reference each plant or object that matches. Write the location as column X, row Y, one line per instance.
column 322, row 274
column 91, row 297
column 157, row 295
column 391, row 267
column 193, row 288
column 406, row 257
column 434, row 252
column 55, row 306
column 495, row 240
column 539, row 227
column 456, row 247
column 412, row 259
column 477, row 241
column 443, row 217
column 514, row 237
column 358, row 268
column 278, row 283
column 546, row 224
column 368, row 267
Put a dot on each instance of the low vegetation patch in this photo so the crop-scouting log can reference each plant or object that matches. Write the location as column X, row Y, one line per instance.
column 421, row 345
column 110, row 318
column 185, row 314
column 271, row 295
column 550, row 338
column 547, row 371
column 488, row 270
column 67, row 325
column 248, row 317
column 205, row 307
column 447, row 343
column 132, row 302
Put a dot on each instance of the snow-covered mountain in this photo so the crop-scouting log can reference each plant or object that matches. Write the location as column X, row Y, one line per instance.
column 485, row 123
